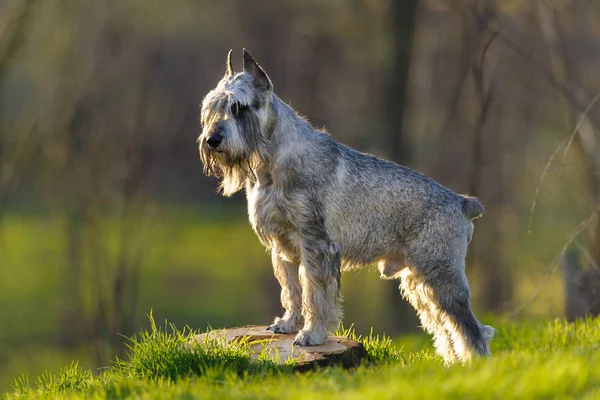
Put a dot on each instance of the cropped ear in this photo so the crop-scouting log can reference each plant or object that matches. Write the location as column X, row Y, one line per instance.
column 229, row 70
column 260, row 76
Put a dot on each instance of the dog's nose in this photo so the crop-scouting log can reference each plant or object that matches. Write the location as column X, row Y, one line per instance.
column 214, row 140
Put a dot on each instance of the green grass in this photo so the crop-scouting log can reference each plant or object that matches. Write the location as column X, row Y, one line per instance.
column 550, row 360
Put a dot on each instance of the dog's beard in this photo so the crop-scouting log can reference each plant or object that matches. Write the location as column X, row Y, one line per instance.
column 232, row 170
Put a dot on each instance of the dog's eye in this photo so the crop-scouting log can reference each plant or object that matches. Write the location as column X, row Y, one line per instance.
column 237, row 109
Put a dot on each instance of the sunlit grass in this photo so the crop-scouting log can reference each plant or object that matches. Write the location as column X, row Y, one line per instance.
column 549, row 360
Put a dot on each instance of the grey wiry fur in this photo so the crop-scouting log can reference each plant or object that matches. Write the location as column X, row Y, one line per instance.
column 321, row 207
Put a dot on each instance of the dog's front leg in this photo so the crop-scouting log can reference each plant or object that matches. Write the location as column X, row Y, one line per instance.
column 320, row 279
column 291, row 295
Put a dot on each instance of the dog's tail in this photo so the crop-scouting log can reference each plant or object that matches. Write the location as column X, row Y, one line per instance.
column 472, row 207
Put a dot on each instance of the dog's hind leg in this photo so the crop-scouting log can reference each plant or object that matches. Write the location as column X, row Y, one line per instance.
column 413, row 291
column 449, row 297
column 320, row 280
column 291, row 295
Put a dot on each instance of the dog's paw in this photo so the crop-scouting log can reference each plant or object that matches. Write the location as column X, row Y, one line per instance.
column 283, row 325
column 310, row 338
column 489, row 332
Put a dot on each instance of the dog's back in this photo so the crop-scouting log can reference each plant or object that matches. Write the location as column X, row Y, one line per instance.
column 370, row 205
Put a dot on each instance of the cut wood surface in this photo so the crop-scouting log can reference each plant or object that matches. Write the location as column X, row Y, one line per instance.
column 337, row 350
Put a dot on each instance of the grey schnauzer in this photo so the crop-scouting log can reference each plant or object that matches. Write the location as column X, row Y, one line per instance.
column 321, row 207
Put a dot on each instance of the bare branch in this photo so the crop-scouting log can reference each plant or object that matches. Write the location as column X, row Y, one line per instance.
column 567, row 141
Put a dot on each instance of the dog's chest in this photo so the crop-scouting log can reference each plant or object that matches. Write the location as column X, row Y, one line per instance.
column 270, row 217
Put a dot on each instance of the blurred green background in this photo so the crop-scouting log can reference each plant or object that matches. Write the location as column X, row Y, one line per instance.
column 105, row 213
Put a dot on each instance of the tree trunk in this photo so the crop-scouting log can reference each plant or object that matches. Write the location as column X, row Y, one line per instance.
column 403, row 18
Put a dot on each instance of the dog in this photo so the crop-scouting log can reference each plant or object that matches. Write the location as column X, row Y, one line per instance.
column 321, row 207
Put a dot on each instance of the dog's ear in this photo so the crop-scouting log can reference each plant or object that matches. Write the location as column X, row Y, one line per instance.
column 260, row 76
column 229, row 70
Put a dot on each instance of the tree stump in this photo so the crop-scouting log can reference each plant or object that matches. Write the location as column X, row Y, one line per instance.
column 337, row 350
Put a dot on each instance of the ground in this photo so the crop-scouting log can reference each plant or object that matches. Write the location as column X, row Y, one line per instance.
column 530, row 360
column 185, row 278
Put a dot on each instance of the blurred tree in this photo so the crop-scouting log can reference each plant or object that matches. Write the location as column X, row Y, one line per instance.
column 14, row 153
column 16, row 28
column 582, row 285
column 402, row 22
column 493, row 272
column 98, row 182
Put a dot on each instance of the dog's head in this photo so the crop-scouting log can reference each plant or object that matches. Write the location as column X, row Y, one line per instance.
column 234, row 120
